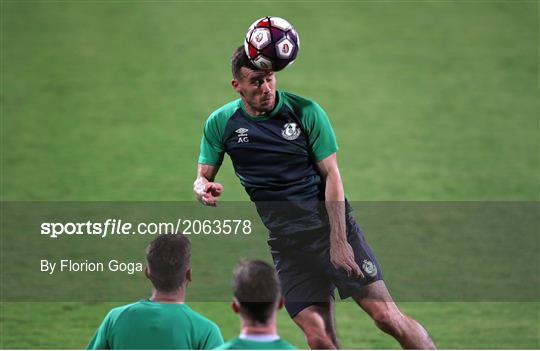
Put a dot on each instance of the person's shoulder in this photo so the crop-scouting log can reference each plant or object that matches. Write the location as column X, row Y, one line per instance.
column 228, row 345
column 300, row 105
column 199, row 319
column 116, row 312
column 225, row 111
column 124, row 308
column 239, row 344
column 284, row 345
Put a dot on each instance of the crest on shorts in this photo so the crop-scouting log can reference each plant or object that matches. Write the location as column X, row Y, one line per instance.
column 369, row 268
column 290, row 131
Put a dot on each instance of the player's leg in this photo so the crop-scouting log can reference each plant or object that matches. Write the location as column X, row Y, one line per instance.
column 308, row 293
column 373, row 296
column 318, row 324
column 379, row 305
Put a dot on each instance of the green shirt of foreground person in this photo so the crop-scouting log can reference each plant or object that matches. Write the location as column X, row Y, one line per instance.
column 164, row 321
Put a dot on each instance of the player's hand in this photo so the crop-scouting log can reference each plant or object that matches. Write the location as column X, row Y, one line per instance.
column 342, row 256
column 208, row 193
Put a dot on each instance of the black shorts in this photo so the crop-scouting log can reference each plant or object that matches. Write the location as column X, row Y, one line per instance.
column 306, row 274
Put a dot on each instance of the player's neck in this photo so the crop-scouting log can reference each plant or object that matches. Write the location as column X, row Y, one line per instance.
column 251, row 328
column 175, row 297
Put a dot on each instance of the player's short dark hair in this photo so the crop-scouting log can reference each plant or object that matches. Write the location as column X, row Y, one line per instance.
column 239, row 59
column 168, row 260
column 256, row 288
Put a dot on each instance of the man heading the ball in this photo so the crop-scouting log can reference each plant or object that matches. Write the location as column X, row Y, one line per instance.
column 283, row 150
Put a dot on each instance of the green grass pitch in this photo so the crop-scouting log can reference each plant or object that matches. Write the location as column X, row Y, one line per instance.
column 430, row 101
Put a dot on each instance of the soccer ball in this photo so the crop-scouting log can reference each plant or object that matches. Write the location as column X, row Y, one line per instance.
column 271, row 43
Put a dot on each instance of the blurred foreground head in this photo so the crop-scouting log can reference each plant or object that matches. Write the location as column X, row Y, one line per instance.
column 168, row 262
column 256, row 291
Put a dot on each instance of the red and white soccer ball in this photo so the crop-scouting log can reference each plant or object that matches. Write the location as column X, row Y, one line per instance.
column 271, row 43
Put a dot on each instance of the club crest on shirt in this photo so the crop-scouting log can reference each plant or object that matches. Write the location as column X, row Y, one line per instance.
column 369, row 268
column 290, row 131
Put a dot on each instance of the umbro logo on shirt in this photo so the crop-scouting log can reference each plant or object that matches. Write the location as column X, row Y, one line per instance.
column 242, row 135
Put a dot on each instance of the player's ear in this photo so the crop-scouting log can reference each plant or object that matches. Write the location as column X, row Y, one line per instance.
column 281, row 303
column 236, row 85
column 235, row 307
column 188, row 275
column 147, row 272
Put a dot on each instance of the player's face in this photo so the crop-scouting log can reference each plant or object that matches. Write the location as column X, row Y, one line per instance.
column 258, row 90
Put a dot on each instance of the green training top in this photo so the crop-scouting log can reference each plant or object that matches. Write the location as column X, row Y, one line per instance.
column 242, row 344
column 275, row 157
column 153, row 325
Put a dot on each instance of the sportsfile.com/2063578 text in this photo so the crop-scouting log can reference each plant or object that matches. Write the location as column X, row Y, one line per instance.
column 120, row 227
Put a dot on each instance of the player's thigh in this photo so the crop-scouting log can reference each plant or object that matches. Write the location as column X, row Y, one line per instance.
column 349, row 286
column 302, row 278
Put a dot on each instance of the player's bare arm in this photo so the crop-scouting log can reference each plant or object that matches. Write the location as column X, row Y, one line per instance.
column 206, row 190
column 341, row 253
